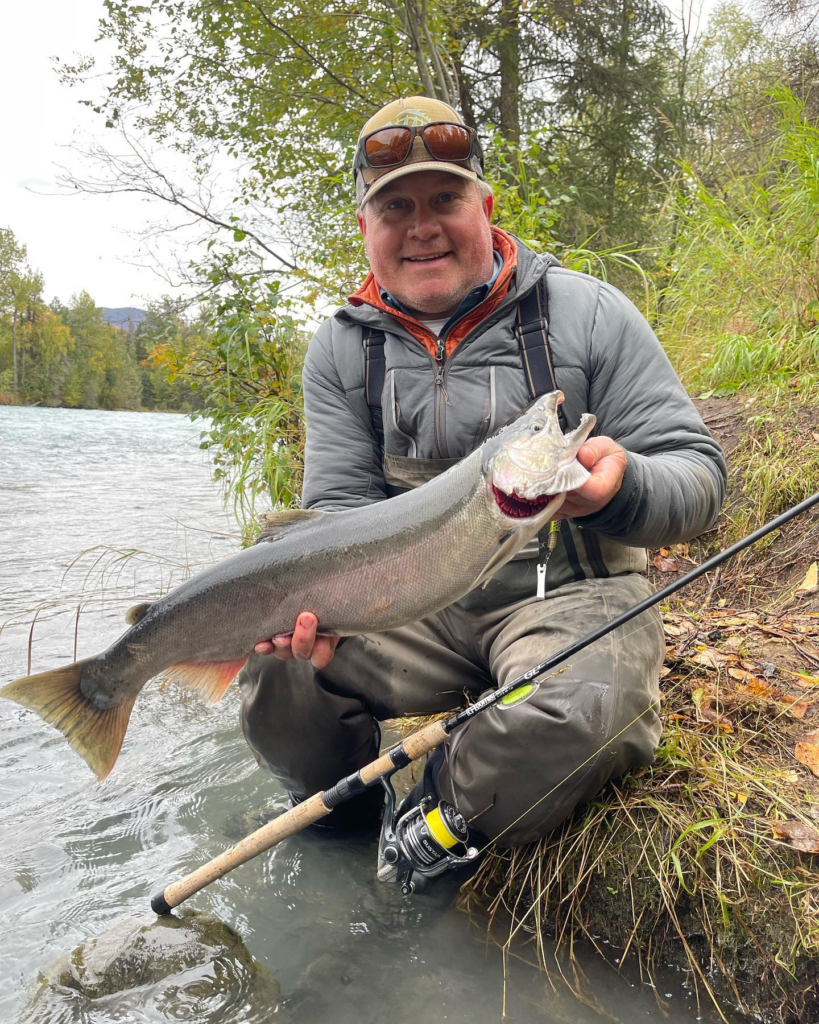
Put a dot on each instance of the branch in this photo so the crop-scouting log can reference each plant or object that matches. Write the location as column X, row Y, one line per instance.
column 145, row 178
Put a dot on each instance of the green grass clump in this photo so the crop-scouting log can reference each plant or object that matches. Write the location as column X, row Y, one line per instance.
column 741, row 304
column 739, row 361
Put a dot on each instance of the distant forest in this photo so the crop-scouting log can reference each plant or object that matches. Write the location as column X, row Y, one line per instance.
column 55, row 354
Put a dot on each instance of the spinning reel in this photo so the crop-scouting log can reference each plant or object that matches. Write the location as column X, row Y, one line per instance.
column 424, row 841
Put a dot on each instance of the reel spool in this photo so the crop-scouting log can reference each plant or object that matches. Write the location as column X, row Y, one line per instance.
column 424, row 842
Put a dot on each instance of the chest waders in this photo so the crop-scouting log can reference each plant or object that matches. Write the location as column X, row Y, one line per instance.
column 428, row 839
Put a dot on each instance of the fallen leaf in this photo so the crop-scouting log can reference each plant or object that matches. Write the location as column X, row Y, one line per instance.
column 714, row 659
column 665, row 563
column 800, row 836
column 664, row 671
column 805, row 678
column 757, row 688
column 810, row 582
column 673, row 630
column 710, row 715
column 807, row 752
column 699, row 697
column 796, row 708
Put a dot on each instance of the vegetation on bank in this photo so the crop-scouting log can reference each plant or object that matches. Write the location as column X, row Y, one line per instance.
column 52, row 354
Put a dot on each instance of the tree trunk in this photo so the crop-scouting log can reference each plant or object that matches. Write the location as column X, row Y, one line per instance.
column 464, row 94
column 14, row 349
column 619, row 106
column 414, row 31
column 509, row 57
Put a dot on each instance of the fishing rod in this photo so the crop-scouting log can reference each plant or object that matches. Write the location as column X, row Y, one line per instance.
column 427, row 840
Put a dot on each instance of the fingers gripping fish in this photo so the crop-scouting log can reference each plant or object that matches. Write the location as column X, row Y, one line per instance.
column 364, row 570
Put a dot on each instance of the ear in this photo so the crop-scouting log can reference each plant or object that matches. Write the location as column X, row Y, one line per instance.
column 488, row 206
column 362, row 224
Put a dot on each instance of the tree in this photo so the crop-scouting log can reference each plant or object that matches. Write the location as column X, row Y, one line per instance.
column 16, row 285
column 103, row 373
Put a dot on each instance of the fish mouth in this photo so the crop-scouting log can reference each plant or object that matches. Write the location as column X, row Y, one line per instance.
column 515, row 507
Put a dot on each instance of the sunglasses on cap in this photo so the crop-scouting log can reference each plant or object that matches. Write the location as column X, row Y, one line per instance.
column 391, row 146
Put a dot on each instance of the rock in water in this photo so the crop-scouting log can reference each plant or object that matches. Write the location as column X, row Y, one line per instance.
column 186, row 967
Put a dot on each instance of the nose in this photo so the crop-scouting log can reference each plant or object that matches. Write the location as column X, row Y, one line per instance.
column 425, row 224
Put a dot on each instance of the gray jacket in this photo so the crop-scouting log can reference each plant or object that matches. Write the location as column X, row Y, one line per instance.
column 607, row 361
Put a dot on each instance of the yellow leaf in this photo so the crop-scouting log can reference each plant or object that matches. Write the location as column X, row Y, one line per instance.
column 811, row 580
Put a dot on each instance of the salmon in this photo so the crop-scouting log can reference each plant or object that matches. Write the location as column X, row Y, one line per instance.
column 359, row 571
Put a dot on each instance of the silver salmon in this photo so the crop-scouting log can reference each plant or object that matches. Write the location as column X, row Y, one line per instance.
column 359, row 571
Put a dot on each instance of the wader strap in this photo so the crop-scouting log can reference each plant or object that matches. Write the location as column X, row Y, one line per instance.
column 375, row 371
column 533, row 335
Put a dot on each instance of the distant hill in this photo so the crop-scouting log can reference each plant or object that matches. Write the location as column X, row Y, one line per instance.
column 123, row 316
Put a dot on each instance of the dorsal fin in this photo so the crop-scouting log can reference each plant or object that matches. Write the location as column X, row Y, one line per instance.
column 274, row 523
column 138, row 612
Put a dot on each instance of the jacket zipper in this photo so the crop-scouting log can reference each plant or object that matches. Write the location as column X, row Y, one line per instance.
column 441, row 400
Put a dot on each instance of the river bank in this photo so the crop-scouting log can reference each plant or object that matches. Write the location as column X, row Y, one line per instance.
column 706, row 860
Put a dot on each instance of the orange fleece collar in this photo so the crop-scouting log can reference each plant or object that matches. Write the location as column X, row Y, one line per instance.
column 370, row 293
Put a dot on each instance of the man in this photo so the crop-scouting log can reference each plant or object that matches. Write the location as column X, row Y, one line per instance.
column 457, row 327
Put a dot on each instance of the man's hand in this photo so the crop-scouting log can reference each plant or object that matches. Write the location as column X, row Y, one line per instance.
column 606, row 461
column 303, row 645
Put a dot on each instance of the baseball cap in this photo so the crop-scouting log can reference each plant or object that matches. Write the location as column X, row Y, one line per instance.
column 411, row 112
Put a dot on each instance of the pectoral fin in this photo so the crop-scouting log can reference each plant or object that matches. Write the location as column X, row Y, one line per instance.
column 569, row 478
column 504, row 552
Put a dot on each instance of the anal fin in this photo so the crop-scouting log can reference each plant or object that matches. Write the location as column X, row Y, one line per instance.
column 210, row 678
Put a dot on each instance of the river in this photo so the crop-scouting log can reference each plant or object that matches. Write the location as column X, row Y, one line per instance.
column 99, row 510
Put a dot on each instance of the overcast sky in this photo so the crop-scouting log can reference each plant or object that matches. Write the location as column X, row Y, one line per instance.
column 77, row 242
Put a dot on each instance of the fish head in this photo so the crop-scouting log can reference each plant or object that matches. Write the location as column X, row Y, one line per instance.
column 530, row 464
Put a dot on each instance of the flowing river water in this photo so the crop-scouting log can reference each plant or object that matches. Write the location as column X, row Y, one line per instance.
column 99, row 510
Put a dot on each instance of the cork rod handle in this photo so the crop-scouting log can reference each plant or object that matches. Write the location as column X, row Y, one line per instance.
column 288, row 824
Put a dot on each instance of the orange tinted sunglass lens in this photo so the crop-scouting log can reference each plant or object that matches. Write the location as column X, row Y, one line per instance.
column 448, row 141
column 388, row 146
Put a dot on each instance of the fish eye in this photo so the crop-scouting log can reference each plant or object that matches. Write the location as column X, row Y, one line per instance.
column 536, row 427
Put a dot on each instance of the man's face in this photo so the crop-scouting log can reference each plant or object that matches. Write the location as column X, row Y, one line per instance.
column 428, row 240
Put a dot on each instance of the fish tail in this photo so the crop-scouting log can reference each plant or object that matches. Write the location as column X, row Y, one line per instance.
column 95, row 733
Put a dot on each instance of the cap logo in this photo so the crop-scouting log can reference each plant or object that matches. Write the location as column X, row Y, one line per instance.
column 412, row 118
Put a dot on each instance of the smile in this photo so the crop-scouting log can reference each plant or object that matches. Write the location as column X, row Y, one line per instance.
column 432, row 258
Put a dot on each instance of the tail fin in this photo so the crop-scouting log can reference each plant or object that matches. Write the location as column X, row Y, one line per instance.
column 95, row 733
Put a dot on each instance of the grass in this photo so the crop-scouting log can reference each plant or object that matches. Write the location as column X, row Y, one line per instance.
column 680, row 862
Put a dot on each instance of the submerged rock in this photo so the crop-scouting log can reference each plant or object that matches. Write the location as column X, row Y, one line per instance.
column 186, row 967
